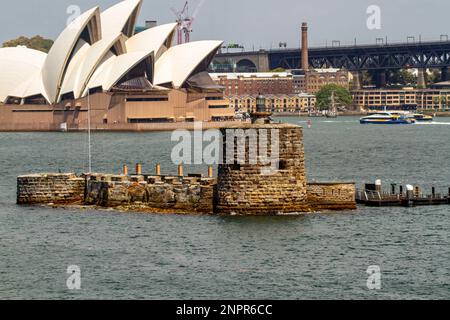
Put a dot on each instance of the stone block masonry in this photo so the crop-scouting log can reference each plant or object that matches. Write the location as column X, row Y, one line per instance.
column 252, row 189
column 158, row 194
column 57, row 188
column 332, row 196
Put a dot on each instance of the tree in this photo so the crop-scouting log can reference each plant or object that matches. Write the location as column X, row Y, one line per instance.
column 367, row 78
column 341, row 94
column 36, row 42
column 434, row 77
column 402, row 77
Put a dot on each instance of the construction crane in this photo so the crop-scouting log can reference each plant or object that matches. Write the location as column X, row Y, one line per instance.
column 185, row 21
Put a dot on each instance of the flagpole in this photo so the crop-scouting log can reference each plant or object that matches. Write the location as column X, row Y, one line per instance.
column 89, row 132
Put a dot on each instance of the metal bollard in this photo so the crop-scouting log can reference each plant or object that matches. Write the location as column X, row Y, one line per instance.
column 180, row 171
column 138, row 169
column 417, row 191
column 158, row 169
column 210, row 172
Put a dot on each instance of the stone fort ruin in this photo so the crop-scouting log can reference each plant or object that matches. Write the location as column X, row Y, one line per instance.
column 244, row 185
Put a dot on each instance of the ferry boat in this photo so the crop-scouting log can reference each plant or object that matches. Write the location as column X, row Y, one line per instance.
column 419, row 117
column 387, row 118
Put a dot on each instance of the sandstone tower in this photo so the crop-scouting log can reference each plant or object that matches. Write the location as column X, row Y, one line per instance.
column 253, row 189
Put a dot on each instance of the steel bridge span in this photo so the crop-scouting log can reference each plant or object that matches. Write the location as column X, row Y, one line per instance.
column 422, row 55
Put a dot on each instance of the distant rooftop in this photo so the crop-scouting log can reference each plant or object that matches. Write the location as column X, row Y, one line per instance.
column 237, row 75
column 289, row 73
column 444, row 84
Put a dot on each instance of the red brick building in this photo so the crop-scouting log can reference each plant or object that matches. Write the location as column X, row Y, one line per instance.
column 240, row 84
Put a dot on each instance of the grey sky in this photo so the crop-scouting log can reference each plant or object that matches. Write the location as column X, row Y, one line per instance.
column 257, row 23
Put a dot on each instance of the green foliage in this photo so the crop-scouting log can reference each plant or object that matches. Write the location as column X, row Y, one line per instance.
column 341, row 95
column 279, row 70
column 434, row 77
column 402, row 77
column 367, row 78
column 36, row 42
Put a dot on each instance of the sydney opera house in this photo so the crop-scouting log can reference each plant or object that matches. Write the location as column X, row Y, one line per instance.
column 99, row 67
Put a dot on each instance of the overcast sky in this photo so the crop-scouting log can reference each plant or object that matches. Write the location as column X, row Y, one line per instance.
column 258, row 23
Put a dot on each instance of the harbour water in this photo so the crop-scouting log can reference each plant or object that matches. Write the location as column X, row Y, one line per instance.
column 145, row 256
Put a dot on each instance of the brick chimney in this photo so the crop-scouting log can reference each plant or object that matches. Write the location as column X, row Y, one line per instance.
column 305, row 55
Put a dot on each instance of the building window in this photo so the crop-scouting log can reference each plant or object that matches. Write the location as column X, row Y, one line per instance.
column 218, row 107
column 147, row 99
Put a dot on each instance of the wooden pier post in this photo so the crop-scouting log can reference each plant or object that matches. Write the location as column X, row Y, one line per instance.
column 125, row 169
column 401, row 190
column 158, row 169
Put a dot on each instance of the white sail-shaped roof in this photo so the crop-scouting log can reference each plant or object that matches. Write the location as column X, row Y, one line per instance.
column 73, row 70
column 31, row 87
column 157, row 39
column 99, row 50
column 86, row 27
column 16, row 66
column 83, row 66
column 179, row 62
column 115, row 68
column 121, row 17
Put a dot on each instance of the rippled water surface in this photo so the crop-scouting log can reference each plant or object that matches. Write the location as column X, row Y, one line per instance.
column 144, row 256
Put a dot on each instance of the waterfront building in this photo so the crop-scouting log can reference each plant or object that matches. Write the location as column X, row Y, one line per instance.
column 282, row 103
column 290, row 82
column 265, row 83
column 433, row 99
column 318, row 78
column 99, row 64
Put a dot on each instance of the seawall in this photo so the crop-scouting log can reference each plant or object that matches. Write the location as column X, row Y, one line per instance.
column 331, row 196
column 159, row 194
column 57, row 188
column 115, row 127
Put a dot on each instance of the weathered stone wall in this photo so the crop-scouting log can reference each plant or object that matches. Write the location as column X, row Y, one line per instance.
column 47, row 188
column 250, row 189
column 332, row 196
column 153, row 193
